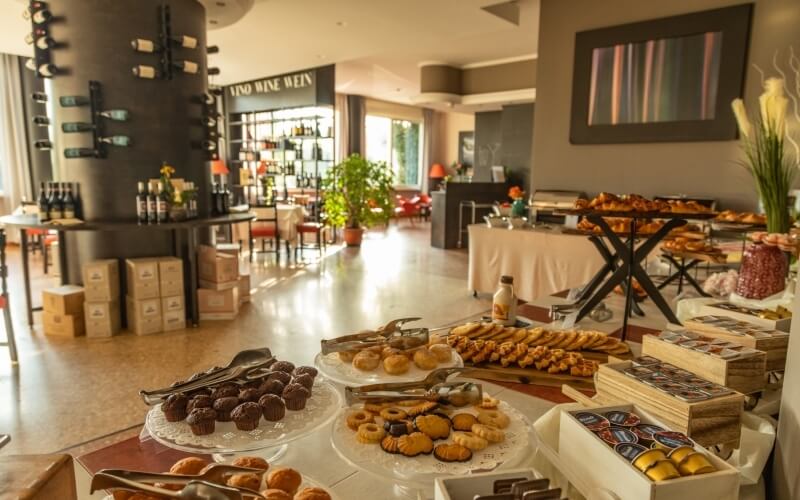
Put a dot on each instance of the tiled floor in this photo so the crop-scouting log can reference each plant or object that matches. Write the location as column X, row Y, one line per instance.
column 65, row 392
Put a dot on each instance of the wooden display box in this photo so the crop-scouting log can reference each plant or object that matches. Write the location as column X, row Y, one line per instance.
column 469, row 486
column 775, row 324
column 37, row 477
column 599, row 466
column 774, row 346
column 745, row 375
column 710, row 422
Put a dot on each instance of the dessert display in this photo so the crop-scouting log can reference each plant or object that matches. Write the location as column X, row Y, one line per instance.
column 607, row 202
column 733, row 216
column 568, row 340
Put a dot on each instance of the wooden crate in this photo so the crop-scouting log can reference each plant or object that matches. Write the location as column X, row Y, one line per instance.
column 775, row 345
column 597, row 466
column 710, row 422
column 745, row 375
column 775, row 324
column 532, row 376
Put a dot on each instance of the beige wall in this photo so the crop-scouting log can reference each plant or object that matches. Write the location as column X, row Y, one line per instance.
column 705, row 168
column 450, row 124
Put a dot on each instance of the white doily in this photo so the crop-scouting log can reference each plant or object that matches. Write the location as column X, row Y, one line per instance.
column 372, row 458
column 345, row 373
column 320, row 408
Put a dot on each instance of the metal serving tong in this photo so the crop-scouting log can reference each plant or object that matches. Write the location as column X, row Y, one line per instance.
column 249, row 364
column 389, row 335
column 434, row 387
column 197, row 487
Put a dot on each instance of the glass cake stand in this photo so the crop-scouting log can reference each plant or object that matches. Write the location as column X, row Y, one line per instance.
column 346, row 374
column 417, row 474
column 270, row 439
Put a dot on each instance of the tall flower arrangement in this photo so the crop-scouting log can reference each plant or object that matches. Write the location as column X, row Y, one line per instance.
column 765, row 157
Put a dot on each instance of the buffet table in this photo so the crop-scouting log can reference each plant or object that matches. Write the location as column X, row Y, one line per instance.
column 542, row 261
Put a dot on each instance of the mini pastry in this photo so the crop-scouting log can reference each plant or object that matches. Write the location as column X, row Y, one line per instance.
column 201, row 401
column 284, row 377
column 470, row 440
column 249, row 481
column 282, row 366
column 433, row 426
column 370, row 433
column 246, row 416
column 273, row 494
column 464, row 421
column 224, row 407
column 488, row 403
column 420, row 408
column 250, row 395
column 389, row 351
column 273, row 386
column 491, row 434
column 375, row 407
column 390, row 444
column 398, row 428
column 189, row 466
column 202, row 421
column 366, row 361
column 225, row 391
column 312, row 494
column 272, row 407
column 442, row 352
column 356, row 418
column 251, row 462
column 425, row 360
column 396, row 364
column 306, row 381
column 346, row 356
column 174, row 407
column 495, row 418
column 414, row 444
column 295, row 397
column 393, row 414
column 285, row 479
column 305, row 370
column 452, row 453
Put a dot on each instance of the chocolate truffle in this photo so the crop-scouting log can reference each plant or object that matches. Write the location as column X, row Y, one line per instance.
column 283, row 366
column 174, row 407
column 223, row 408
column 295, row 397
column 305, row 370
column 201, row 401
column 273, row 407
column 251, row 395
column 202, row 421
column 246, row 416
column 273, row 386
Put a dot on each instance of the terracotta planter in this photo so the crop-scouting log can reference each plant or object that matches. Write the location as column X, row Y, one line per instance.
column 353, row 236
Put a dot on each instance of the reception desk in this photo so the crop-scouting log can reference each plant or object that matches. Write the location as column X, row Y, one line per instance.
column 445, row 209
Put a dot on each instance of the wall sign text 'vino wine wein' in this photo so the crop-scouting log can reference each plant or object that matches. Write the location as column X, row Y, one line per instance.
column 272, row 85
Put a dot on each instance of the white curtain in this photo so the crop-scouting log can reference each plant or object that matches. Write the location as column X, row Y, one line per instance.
column 430, row 130
column 342, row 127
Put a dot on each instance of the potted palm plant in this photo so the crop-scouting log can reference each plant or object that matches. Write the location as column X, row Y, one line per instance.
column 357, row 196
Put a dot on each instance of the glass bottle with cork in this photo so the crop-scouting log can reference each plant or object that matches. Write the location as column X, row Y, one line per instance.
column 504, row 305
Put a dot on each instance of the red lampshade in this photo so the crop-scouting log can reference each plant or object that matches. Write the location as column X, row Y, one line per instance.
column 262, row 168
column 218, row 167
column 437, row 171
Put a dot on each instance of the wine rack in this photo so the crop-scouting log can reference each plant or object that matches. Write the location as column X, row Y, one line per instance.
column 42, row 61
column 168, row 42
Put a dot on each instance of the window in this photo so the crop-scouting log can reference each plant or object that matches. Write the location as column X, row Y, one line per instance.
column 396, row 142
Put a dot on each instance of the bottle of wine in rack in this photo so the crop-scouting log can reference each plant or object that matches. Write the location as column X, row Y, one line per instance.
column 45, row 42
column 47, row 70
column 213, row 71
column 43, row 145
column 39, row 97
column 144, row 45
column 76, row 127
column 117, row 115
column 205, row 145
column 122, row 141
column 187, row 42
column 208, row 122
column 42, row 121
column 212, row 49
column 41, row 16
column 186, row 66
column 31, row 64
column 68, row 203
column 73, row 153
column 216, row 90
column 55, row 210
column 42, row 204
column 146, row 72
column 73, row 101
column 141, row 204
column 206, row 99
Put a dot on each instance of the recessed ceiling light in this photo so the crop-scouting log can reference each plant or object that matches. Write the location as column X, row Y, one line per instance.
column 398, row 89
column 321, row 56
column 341, row 24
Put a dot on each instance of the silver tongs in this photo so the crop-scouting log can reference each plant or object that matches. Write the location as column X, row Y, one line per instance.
column 434, row 387
column 247, row 365
column 389, row 335
column 197, row 487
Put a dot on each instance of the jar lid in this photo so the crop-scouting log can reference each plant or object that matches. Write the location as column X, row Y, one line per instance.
column 507, row 280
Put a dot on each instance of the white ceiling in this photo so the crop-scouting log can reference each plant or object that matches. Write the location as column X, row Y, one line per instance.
column 377, row 44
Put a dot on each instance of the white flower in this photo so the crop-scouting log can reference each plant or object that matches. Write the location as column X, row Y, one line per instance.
column 773, row 103
column 745, row 127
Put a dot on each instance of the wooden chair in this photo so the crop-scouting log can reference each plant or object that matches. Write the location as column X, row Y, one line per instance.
column 310, row 227
column 266, row 228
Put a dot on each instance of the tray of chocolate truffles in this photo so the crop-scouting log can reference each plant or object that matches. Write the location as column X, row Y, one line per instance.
column 269, row 407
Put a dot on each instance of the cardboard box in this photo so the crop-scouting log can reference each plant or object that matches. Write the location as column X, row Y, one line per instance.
column 65, row 299
column 244, row 288
column 225, row 285
column 170, row 288
column 229, row 248
column 144, row 316
column 101, row 280
column 63, row 325
column 173, row 320
column 216, row 266
column 143, row 282
column 218, row 304
column 102, row 319
column 172, row 304
column 170, row 269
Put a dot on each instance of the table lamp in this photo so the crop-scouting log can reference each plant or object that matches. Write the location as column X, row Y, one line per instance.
column 219, row 168
column 436, row 174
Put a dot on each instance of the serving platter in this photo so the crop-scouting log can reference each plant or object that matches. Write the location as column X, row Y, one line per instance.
column 343, row 372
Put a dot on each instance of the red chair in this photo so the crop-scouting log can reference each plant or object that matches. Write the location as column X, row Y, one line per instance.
column 406, row 208
column 266, row 228
column 309, row 227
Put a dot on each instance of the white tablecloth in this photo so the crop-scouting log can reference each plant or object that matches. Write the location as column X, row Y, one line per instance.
column 288, row 218
column 541, row 261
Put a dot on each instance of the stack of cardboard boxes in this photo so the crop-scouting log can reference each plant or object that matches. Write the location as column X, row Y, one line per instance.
column 101, row 292
column 219, row 294
column 155, row 295
column 63, row 311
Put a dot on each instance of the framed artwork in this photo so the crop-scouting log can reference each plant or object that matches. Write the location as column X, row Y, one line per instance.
column 466, row 148
column 498, row 174
column 664, row 80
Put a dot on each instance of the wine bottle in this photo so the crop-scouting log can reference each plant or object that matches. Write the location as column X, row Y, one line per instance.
column 117, row 115
column 206, row 145
column 208, row 122
column 144, row 45
column 73, row 101
column 207, row 99
column 152, row 205
column 43, row 145
column 187, row 42
column 68, row 203
column 215, row 202
column 145, row 72
column 39, row 97
column 122, row 141
column 226, row 200
column 40, row 120
column 141, row 204
column 186, row 66
column 216, row 90
column 162, row 204
column 213, row 71
column 80, row 153
column 76, row 127
column 44, row 207
column 41, row 16
column 212, row 49
column 45, row 42
column 30, row 63
column 78, row 201
column 47, row 70
column 55, row 210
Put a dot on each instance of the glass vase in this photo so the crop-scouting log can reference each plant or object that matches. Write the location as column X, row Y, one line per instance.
column 763, row 272
column 518, row 208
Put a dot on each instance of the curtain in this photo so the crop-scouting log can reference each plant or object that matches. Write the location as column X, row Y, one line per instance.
column 430, row 130
column 356, row 115
column 14, row 161
column 342, row 125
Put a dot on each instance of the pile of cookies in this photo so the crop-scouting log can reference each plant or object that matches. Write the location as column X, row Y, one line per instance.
column 412, row 428
column 396, row 362
column 277, row 483
column 568, row 340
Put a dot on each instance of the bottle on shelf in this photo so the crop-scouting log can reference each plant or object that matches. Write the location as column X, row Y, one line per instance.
column 146, row 72
column 504, row 304
column 141, row 203
column 213, row 71
column 31, row 37
column 76, row 127
column 41, row 16
column 39, row 97
column 41, row 121
column 122, row 141
column 55, row 209
column 47, row 70
column 187, row 42
column 206, row 145
column 44, row 206
column 45, row 42
column 216, row 91
column 68, row 203
column 205, row 98
column 80, row 153
column 117, row 115
column 78, row 201
column 226, row 200
column 144, row 45
column 43, row 145
column 188, row 67
column 215, row 199
column 152, row 205
column 73, row 101
column 162, row 204
column 212, row 49
column 208, row 122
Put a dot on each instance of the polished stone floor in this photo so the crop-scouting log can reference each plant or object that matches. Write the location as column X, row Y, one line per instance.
column 65, row 392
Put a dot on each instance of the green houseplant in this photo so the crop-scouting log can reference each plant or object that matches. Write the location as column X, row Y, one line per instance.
column 358, row 195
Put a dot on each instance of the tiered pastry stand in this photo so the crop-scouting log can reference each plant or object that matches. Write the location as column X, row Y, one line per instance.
column 345, row 373
column 269, row 440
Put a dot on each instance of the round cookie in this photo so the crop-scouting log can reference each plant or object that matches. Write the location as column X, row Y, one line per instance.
column 494, row 418
column 357, row 418
column 452, row 453
column 370, row 433
column 463, row 421
column 393, row 414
